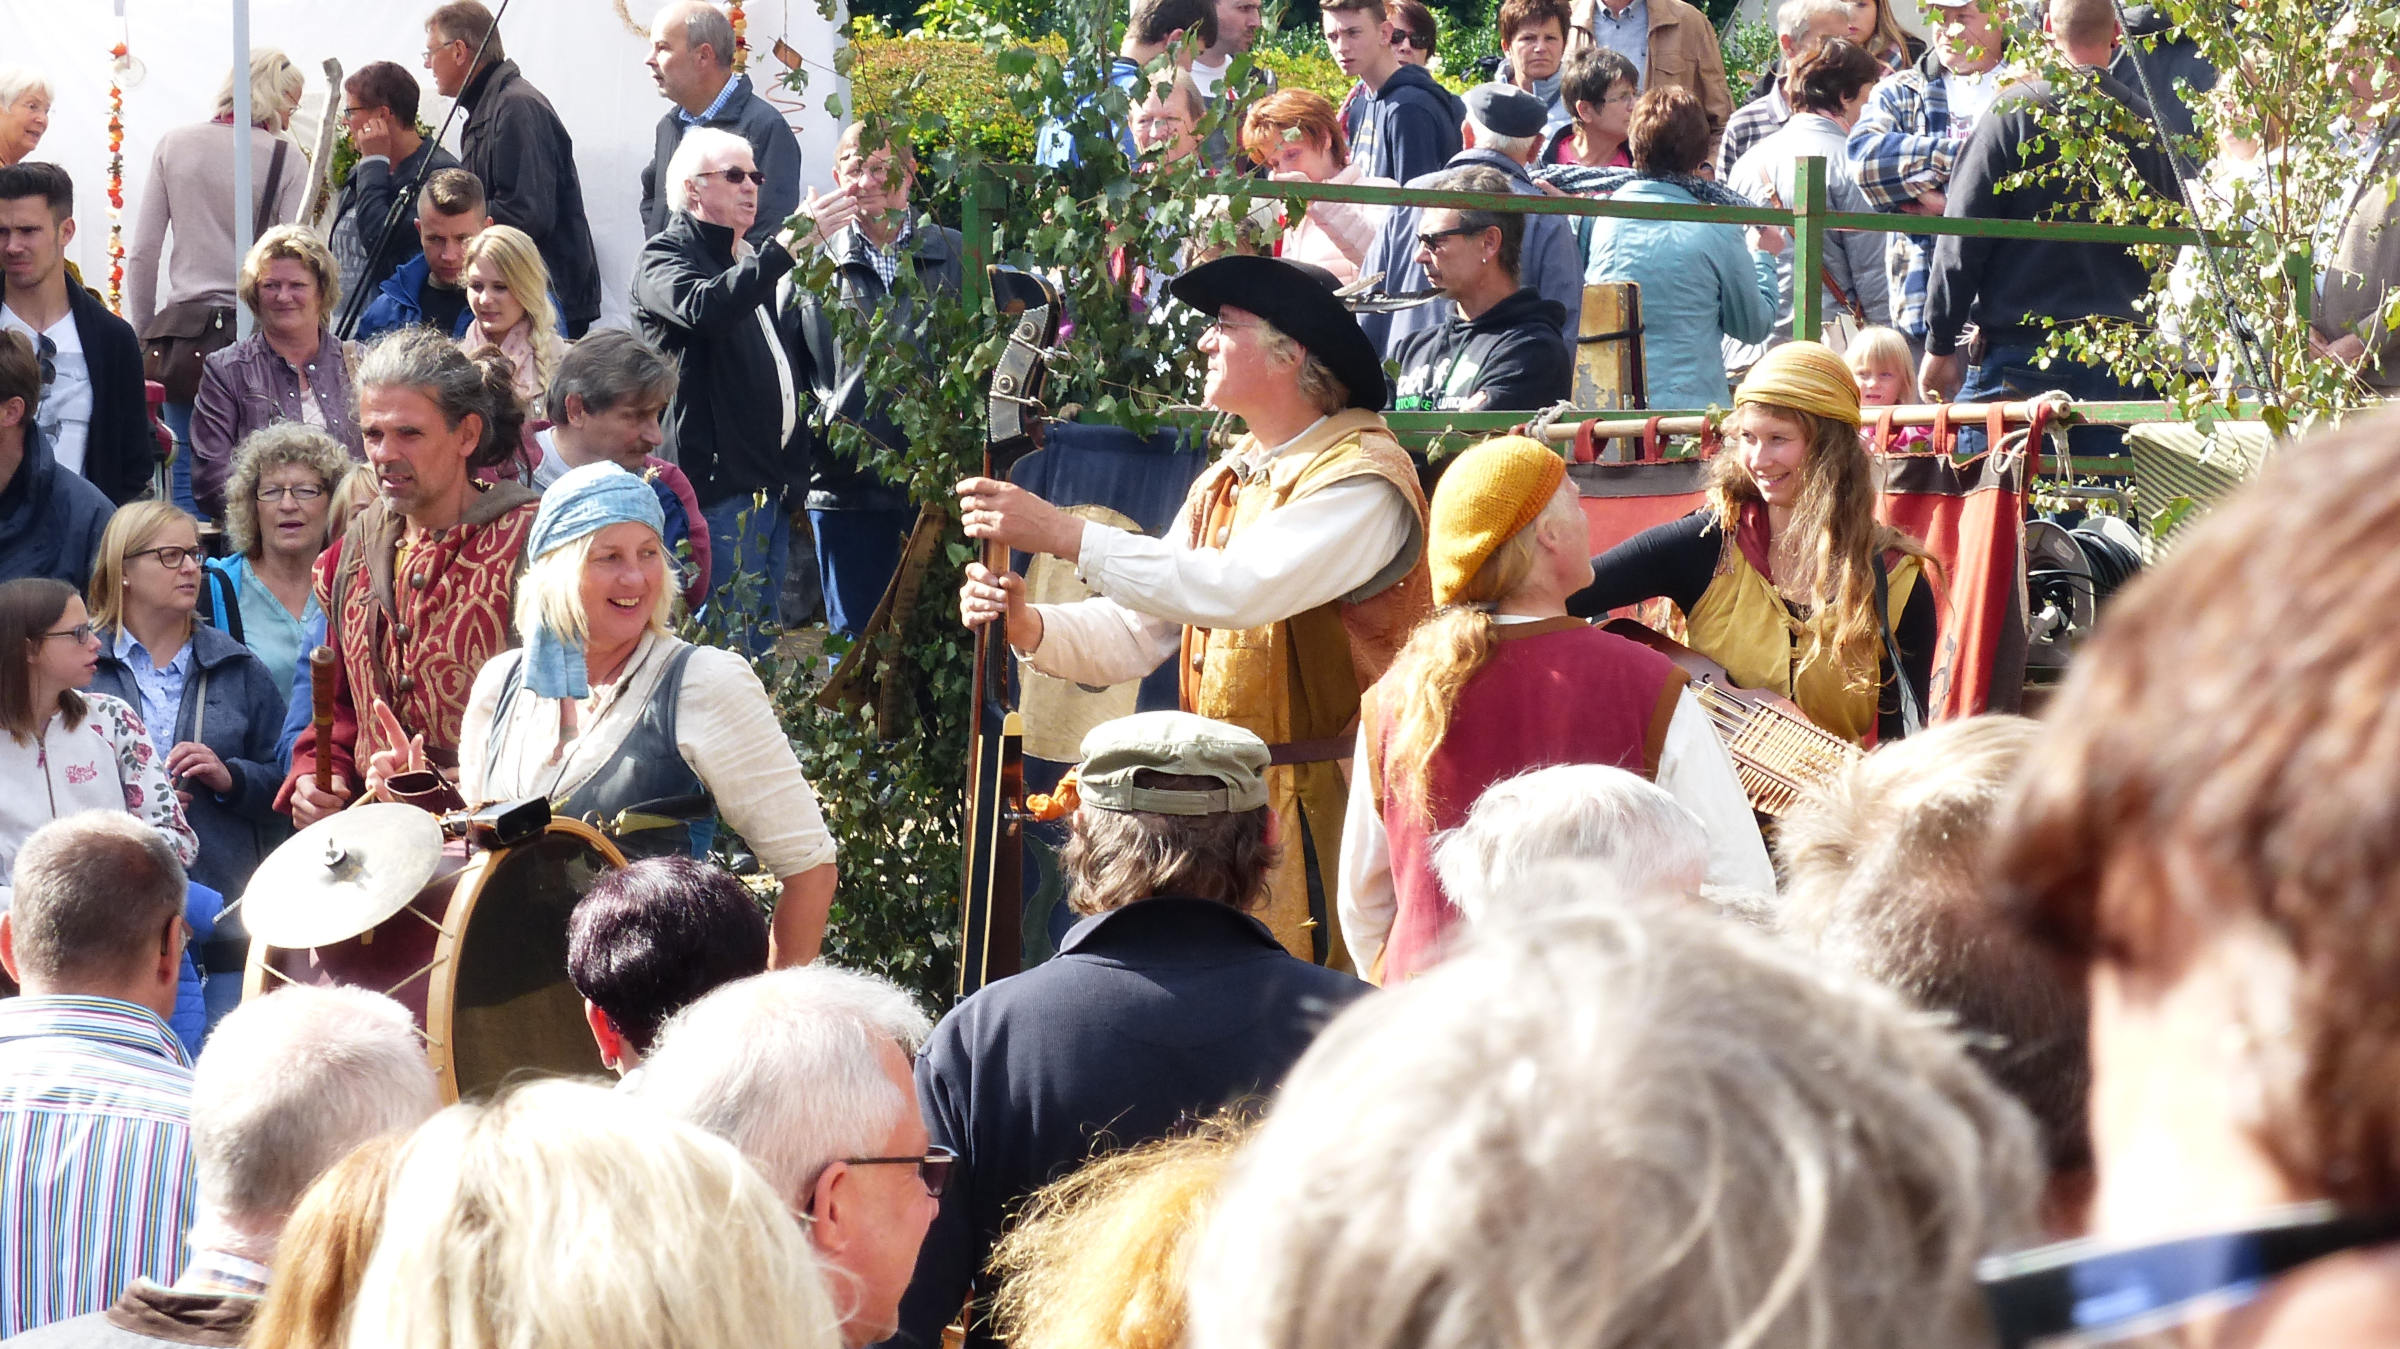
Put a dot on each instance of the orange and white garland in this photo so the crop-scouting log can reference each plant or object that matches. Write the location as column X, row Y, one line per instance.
column 116, row 176
column 741, row 36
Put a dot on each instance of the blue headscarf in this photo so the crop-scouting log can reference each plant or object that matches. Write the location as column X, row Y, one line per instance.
column 583, row 501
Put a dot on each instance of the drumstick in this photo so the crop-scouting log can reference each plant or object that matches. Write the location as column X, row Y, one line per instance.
column 320, row 697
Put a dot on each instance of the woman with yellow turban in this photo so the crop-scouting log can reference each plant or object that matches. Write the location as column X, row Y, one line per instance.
column 1500, row 681
column 1778, row 575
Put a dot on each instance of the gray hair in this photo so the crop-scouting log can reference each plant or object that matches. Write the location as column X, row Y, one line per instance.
column 1519, row 148
column 1884, row 875
column 786, row 1065
column 1657, row 1128
column 288, row 1085
column 1631, row 830
column 607, row 367
column 273, row 446
column 484, row 385
column 706, row 25
column 1482, row 178
column 1793, row 18
column 18, row 81
column 92, row 893
column 696, row 148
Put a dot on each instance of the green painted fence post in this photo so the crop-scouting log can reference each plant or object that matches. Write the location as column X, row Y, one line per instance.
column 1808, row 250
column 976, row 235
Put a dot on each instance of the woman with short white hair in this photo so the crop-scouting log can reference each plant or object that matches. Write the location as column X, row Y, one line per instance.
column 614, row 718
column 24, row 111
column 1613, row 1124
column 565, row 1217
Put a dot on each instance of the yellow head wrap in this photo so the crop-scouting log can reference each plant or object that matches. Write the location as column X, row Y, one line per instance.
column 1490, row 492
column 1803, row 375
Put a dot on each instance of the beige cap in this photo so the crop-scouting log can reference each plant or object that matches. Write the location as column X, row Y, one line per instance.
column 1178, row 743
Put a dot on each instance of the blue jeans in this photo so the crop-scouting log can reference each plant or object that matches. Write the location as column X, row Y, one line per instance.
column 2008, row 372
column 857, row 554
column 178, row 417
column 752, row 540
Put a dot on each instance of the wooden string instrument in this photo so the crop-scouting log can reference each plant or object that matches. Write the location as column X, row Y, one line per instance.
column 1778, row 753
column 991, row 877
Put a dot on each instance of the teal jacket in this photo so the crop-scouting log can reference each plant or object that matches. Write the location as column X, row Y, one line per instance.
column 1700, row 284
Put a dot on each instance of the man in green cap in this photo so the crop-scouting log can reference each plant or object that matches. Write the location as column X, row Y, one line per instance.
column 1165, row 1003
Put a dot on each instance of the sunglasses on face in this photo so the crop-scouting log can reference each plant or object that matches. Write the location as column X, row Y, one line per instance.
column 1431, row 240
column 737, row 177
column 933, row 1169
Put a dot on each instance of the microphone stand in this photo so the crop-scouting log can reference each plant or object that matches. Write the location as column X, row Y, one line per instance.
column 356, row 302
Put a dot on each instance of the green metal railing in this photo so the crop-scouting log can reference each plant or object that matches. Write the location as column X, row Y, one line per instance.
column 1809, row 219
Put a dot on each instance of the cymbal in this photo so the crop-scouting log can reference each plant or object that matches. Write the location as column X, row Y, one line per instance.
column 342, row 876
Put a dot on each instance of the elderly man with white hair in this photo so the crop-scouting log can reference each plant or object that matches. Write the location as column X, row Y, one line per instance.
column 708, row 299
column 1628, row 828
column 807, row 1071
column 289, row 1084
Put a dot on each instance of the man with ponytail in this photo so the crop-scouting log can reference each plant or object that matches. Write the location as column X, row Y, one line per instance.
column 1295, row 571
column 1779, row 575
column 1499, row 681
column 417, row 594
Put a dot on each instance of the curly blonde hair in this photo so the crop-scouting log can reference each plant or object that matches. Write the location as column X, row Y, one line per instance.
column 272, row 447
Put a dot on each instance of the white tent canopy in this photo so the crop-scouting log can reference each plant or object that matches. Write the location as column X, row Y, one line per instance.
column 585, row 55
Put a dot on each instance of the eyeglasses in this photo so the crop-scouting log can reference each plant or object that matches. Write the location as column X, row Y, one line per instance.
column 933, row 1169
column 295, row 493
column 81, row 632
column 447, row 42
column 1220, row 327
column 737, row 177
column 1431, row 240
column 170, row 557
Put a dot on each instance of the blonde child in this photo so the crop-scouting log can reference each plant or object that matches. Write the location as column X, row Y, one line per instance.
column 1886, row 378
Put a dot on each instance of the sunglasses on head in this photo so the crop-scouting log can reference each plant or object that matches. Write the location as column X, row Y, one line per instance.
column 47, row 351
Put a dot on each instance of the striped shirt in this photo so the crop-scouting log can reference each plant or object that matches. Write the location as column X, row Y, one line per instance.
column 95, row 1155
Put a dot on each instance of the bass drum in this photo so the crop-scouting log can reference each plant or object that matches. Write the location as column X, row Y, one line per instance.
column 479, row 958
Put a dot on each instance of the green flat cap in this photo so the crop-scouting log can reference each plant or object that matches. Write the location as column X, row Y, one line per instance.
column 1172, row 742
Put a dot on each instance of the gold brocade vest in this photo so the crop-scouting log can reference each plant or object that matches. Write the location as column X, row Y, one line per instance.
column 1296, row 681
column 1743, row 624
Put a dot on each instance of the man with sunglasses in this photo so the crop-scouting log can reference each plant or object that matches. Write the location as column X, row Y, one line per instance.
column 93, row 411
column 1503, row 350
column 1166, row 1003
column 50, row 517
column 807, row 1072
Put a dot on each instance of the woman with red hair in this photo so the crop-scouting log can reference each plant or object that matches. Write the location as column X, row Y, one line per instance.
column 1296, row 136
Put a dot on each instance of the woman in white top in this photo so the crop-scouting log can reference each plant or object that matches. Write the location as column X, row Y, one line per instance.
column 613, row 718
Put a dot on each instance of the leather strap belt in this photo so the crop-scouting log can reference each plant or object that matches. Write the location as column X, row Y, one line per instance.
column 1314, row 751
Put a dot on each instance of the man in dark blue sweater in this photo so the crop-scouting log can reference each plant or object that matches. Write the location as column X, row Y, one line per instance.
column 1400, row 122
column 1164, row 1005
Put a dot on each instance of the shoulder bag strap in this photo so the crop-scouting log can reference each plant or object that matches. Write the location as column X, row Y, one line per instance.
column 266, row 201
column 1912, row 718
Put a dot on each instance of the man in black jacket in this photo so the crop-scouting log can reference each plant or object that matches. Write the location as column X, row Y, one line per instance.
column 50, row 519
column 707, row 298
column 1165, row 1004
column 2009, row 287
column 94, row 411
column 1503, row 351
column 516, row 146
column 861, row 519
column 691, row 58
column 379, row 105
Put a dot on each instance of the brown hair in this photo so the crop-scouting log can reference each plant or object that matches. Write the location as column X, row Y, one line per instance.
column 28, row 606
column 1419, row 22
column 1516, row 14
column 20, row 372
column 388, row 85
column 1668, row 132
column 1154, row 21
column 1828, row 75
column 1099, row 1256
column 1277, row 117
column 1883, row 873
column 468, row 21
column 324, row 1251
column 1826, row 555
column 2221, row 774
column 451, row 192
column 2084, row 22
column 1590, row 72
column 1374, row 7
column 1120, row 857
column 135, row 526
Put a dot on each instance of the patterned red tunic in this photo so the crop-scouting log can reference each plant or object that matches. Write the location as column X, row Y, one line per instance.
column 414, row 630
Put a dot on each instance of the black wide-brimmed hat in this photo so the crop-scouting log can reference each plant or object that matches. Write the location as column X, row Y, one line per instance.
column 1299, row 300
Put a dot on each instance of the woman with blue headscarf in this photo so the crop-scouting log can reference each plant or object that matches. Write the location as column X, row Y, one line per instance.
column 613, row 718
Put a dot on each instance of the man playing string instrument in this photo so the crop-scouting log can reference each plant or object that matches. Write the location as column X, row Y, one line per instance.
column 1292, row 575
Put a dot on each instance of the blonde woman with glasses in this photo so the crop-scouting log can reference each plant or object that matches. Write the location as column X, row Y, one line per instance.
column 209, row 707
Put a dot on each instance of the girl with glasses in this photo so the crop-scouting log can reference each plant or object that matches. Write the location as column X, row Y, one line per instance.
column 210, row 709
column 63, row 752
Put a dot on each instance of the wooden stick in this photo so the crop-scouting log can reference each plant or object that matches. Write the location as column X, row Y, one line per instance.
column 320, row 698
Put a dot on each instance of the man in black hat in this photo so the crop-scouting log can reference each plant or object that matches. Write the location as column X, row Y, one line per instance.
column 1503, row 132
column 1290, row 579
column 1503, row 350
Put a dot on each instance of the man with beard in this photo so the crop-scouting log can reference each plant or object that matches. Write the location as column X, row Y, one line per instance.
column 1292, row 576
